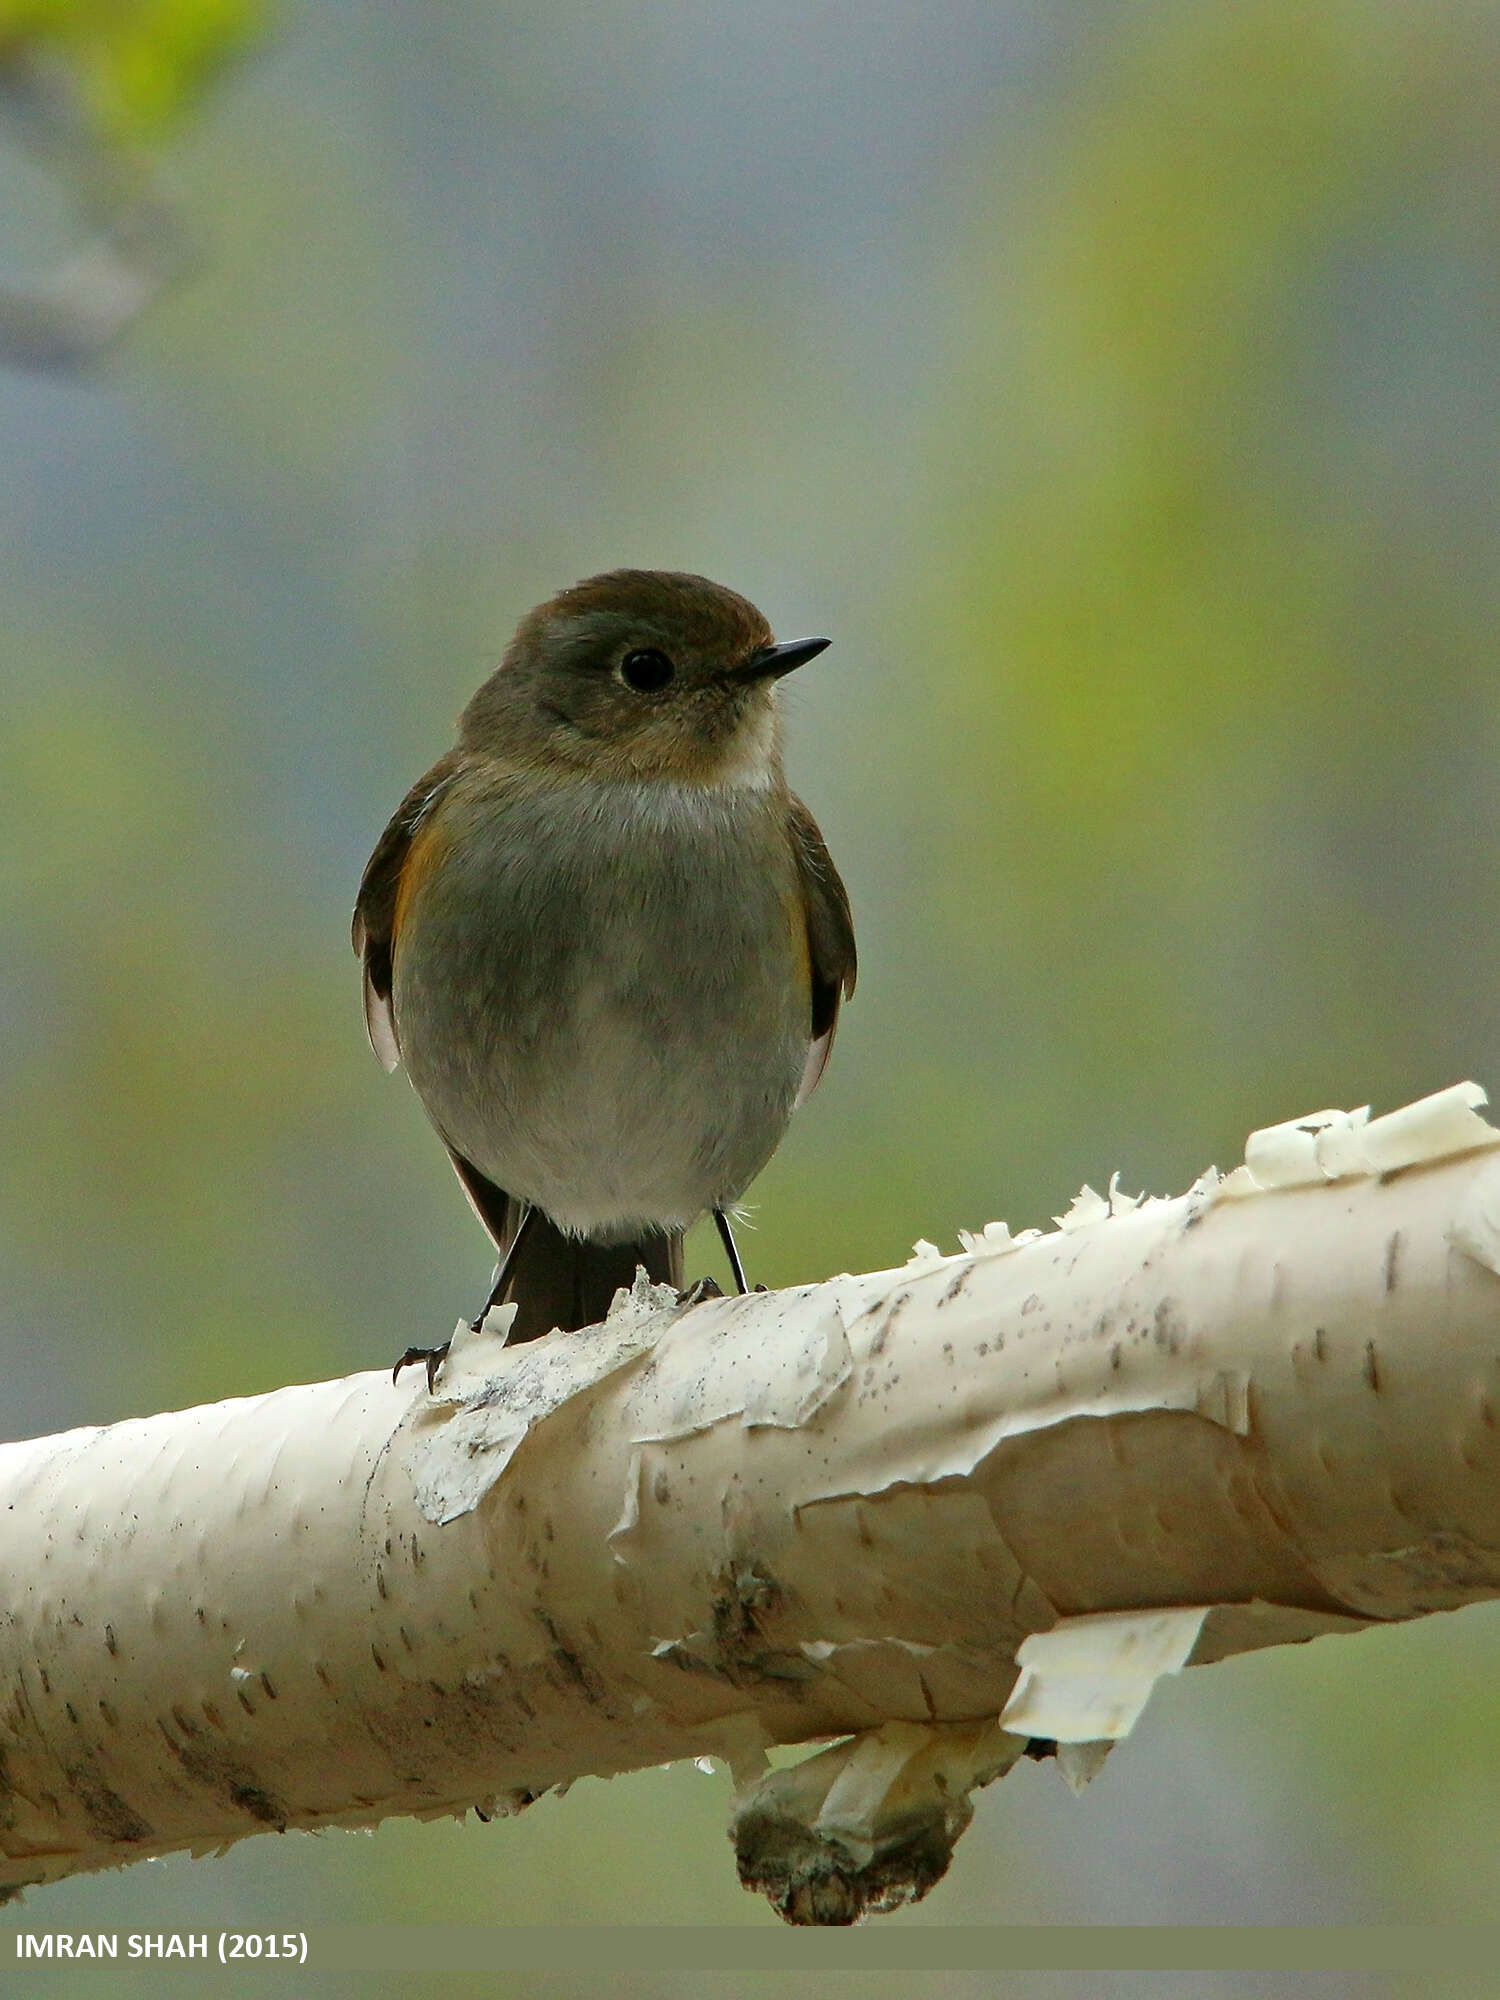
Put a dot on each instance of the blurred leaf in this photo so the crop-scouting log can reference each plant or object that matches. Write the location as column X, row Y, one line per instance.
column 139, row 63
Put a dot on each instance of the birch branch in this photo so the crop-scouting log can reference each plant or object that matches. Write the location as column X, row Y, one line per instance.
column 945, row 1513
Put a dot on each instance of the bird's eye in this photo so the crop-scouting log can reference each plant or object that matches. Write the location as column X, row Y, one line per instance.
column 647, row 670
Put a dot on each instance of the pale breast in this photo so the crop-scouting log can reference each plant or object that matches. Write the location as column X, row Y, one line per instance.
column 601, row 993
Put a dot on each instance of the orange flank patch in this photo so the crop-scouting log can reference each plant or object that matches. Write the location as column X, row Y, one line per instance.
column 427, row 847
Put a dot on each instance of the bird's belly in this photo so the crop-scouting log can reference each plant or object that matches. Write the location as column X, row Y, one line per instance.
column 607, row 1127
column 622, row 1043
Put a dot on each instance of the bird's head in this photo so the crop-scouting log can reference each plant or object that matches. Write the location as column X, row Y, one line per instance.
column 639, row 675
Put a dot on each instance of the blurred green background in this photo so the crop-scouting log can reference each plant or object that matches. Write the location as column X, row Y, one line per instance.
column 1118, row 385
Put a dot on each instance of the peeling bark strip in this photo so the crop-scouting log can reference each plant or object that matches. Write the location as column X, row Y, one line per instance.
column 948, row 1512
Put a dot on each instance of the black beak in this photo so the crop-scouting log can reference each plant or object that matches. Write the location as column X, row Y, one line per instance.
column 771, row 662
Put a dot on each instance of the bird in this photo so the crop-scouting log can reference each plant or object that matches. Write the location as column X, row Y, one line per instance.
column 606, row 941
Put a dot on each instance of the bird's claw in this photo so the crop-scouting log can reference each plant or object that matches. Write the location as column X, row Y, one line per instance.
column 697, row 1292
column 432, row 1357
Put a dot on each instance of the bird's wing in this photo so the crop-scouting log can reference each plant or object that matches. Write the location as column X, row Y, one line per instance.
column 830, row 939
column 375, row 908
column 376, row 917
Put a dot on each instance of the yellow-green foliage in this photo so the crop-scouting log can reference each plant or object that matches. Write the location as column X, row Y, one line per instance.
column 140, row 63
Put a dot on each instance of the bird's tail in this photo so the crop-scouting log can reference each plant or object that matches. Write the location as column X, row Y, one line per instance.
column 561, row 1281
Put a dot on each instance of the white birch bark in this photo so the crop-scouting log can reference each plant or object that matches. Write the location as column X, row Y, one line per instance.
column 940, row 1511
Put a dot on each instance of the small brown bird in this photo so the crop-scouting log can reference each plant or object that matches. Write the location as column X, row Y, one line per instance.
column 606, row 940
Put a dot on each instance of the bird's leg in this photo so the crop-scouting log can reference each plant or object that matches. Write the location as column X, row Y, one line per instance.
column 434, row 1357
column 731, row 1249
column 507, row 1264
column 705, row 1288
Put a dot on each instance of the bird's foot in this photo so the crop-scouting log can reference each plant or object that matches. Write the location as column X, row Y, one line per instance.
column 432, row 1357
column 696, row 1293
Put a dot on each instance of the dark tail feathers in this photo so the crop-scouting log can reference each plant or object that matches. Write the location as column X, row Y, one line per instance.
column 558, row 1280
column 564, row 1282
